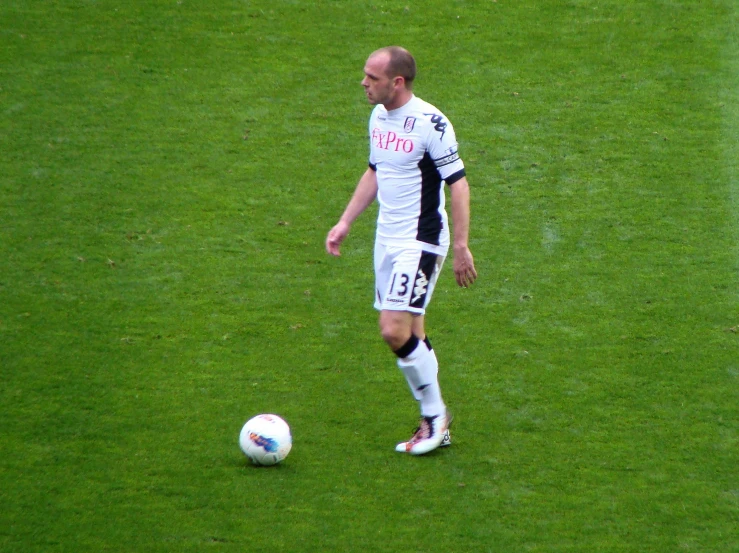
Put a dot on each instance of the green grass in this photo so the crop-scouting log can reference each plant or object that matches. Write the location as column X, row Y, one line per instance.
column 168, row 171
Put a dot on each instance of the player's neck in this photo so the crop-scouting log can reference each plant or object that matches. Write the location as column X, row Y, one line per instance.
column 400, row 99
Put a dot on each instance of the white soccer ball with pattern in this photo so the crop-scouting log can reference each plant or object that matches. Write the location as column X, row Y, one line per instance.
column 266, row 439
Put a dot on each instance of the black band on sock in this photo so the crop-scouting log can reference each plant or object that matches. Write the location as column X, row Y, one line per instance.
column 427, row 342
column 406, row 349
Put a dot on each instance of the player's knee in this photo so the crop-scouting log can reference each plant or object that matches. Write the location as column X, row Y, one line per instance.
column 389, row 333
column 394, row 333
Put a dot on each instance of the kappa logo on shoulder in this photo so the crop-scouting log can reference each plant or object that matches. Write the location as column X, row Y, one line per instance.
column 439, row 123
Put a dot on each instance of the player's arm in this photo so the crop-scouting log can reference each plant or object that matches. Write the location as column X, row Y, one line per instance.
column 364, row 195
column 443, row 148
column 464, row 266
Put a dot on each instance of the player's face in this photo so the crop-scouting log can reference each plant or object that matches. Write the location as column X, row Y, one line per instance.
column 379, row 88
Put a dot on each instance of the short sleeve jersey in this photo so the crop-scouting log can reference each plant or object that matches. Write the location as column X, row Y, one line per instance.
column 413, row 149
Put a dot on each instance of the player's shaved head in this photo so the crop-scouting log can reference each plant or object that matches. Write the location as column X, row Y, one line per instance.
column 400, row 63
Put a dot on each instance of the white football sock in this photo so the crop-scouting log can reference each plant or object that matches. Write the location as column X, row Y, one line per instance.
column 431, row 402
column 421, row 369
column 410, row 370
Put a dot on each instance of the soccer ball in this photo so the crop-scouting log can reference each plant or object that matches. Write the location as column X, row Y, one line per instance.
column 266, row 439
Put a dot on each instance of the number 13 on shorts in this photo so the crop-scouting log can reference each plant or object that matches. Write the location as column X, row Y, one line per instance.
column 405, row 278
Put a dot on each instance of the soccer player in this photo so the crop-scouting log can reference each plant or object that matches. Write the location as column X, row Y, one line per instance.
column 413, row 151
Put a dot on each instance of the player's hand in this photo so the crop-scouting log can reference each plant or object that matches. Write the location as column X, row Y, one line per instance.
column 335, row 237
column 464, row 267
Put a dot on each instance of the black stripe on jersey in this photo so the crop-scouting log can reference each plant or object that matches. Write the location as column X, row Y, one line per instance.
column 426, row 268
column 429, row 221
column 454, row 177
column 372, row 166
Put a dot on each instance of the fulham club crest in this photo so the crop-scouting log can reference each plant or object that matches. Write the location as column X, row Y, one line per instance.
column 410, row 122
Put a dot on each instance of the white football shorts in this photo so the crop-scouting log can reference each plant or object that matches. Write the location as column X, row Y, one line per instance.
column 405, row 278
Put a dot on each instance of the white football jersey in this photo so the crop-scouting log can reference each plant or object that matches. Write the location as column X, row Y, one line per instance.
column 413, row 149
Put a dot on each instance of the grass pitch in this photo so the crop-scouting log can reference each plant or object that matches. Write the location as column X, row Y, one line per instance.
column 168, row 171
